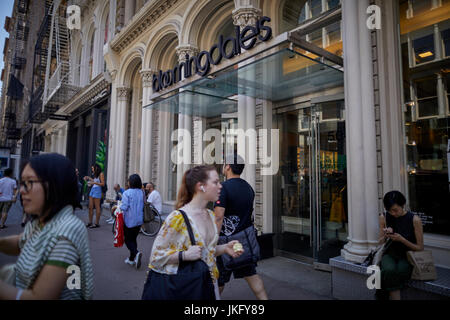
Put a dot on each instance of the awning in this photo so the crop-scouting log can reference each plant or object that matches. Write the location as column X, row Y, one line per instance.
column 288, row 73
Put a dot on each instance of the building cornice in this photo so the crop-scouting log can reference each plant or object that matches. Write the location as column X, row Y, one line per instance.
column 89, row 94
column 142, row 21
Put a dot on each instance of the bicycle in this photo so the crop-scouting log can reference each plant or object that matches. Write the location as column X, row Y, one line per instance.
column 151, row 228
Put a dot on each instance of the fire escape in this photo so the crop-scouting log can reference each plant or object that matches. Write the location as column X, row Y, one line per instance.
column 53, row 69
column 15, row 87
column 36, row 114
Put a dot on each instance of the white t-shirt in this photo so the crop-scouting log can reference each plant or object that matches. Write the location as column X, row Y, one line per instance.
column 155, row 199
column 7, row 186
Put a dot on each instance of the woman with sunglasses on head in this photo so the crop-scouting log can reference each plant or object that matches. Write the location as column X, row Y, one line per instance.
column 200, row 185
column 95, row 195
column 54, row 240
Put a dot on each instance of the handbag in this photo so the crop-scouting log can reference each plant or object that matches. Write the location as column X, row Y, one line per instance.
column 376, row 254
column 251, row 254
column 118, row 228
column 149, row 215
column 192, row 281
column 423, row 264
column 8, row 274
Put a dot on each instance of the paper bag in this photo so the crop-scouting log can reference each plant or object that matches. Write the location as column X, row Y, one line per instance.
column 423, row 264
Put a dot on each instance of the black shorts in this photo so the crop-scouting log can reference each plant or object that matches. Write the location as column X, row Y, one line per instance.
column 225, row 275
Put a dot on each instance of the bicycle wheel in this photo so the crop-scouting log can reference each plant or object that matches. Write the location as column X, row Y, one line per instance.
column 151, row 228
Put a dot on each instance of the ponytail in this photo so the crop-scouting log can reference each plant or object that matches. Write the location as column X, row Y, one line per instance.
column 184, row 196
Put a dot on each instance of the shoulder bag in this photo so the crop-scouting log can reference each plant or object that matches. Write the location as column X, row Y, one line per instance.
column 251, row 254
column 149, row 215
column 376, row 254
column 192, row 281
column 423, row 264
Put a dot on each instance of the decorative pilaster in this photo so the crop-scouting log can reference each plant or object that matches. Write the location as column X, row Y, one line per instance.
column 247, row 13
column 185, row 120
column 123, row 98
column 120, row 15
column 360, row 132
column 146, row 126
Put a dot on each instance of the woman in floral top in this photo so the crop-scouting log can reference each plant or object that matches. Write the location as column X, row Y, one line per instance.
column 200, row 185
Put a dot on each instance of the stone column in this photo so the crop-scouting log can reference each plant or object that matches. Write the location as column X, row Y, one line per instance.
column 112, row 138
column 123, row 99
column 360, row 132
column 130, row 7
column 247, row 13
column 185, row 117
column 147, row 125
column 112, row 20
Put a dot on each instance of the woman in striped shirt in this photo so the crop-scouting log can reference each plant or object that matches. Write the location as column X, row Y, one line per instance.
column 54, row 240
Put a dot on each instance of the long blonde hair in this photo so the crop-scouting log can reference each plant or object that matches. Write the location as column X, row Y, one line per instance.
column 190, row 178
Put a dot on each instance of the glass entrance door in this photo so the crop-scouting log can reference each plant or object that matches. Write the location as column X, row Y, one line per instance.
column 330, row 179
column 310, row 202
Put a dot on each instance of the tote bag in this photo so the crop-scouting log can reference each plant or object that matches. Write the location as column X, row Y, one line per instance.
column 423, row 264
column 192, row 281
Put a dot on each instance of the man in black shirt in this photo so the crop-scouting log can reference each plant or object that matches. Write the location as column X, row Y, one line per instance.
column 233, row 213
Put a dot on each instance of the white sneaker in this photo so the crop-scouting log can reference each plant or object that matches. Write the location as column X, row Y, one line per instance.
column 137, row 260
column 109, row 220
column 128, row 261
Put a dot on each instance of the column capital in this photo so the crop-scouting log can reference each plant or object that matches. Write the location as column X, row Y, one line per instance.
column 147, row 75
column 123, row 93
column 184, row 49
column 246, row 16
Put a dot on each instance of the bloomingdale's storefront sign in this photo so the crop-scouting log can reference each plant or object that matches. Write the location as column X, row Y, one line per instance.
column 202, row 66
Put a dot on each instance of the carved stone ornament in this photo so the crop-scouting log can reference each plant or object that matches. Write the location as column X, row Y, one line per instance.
column 123, row 94
column 182, row 50
column 147, row 77
column 246, row 16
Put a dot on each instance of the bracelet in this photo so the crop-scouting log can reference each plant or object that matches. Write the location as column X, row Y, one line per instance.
column 180, row 256
column 19, row 294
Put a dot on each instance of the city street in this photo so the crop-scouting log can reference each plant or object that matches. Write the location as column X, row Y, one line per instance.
column 284, row 279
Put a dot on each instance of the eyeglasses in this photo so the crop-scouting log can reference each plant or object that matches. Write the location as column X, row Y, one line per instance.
column 28, row 184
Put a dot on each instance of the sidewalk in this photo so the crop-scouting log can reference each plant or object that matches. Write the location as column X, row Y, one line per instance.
column 284, row 279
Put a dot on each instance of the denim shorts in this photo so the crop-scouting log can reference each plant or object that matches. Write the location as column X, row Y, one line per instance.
column 96, row 193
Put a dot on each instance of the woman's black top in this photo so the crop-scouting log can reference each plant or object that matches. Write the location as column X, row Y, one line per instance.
column 404, row 226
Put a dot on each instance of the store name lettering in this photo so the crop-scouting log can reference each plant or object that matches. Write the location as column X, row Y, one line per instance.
column 201, row 63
